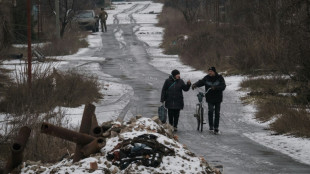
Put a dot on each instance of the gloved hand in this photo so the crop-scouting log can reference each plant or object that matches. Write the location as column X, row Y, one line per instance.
column 194, row 86
column 189, row 82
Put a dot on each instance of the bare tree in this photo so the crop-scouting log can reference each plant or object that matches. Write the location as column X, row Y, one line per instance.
column 5, row 25
column 189, row 8
column 67, row 10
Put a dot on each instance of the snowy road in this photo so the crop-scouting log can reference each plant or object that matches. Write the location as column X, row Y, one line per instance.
column 132, row 57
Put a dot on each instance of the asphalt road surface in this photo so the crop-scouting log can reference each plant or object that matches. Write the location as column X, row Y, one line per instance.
column 129, row 61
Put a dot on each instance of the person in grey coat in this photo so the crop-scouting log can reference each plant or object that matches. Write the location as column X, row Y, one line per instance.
column 172, row 95
column 214, row 97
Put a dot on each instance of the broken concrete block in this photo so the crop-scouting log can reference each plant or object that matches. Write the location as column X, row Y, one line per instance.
column 138, row 117
column 132, row 120
column 93, row 165
column 115, row 170
column 106, row 126
column 126, row 129
column 119, row 120
column 106, row 134
column 167, row 143
column 156, row 120
column 114, row 134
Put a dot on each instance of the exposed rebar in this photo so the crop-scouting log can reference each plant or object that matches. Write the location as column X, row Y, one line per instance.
column 63, row 133
column 85, row 128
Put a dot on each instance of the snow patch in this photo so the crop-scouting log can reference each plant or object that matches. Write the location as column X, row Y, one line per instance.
column 297, row 148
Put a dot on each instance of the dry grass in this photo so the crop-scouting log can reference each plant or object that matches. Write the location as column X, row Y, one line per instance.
column 231, row 48
column 175, row 25
column 4, row 78
column 30, row 107
column 49, row 90
column 293, row 122
column 204, row 46
column 242, row 49
column 273, row 106
column 73, row 39
column 70, row 44
column 268, row 85
column 40, row 147
column 45, row 148
column 270, row 105
column 74, row 89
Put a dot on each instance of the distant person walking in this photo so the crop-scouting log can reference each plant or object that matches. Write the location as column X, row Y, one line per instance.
column 214, row 97
column 172, row 95
column 103, row 18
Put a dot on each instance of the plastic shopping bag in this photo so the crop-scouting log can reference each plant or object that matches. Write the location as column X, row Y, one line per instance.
column 162, row 114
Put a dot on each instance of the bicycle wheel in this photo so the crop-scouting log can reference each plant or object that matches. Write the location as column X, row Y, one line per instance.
column 201, row 118
column 198, row 116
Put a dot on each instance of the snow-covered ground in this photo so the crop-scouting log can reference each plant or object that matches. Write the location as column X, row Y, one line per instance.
column 297, row 148
column 182, row 162
column 118, row 95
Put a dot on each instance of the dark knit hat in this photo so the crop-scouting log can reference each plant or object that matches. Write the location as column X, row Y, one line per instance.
column 212, row 69
column 175, row 72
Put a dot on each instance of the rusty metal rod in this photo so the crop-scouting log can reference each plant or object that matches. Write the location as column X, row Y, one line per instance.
column 93, row 147
column 96, row 130
column 85, row 128
column 66, row 134
column 86, row 122
column 94, row 122
column 17, row 149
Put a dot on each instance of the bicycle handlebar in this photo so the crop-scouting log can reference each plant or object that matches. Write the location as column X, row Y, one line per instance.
column 204, row 93
column 200, row 95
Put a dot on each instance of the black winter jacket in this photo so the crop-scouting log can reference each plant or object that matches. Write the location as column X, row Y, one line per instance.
column 218, row 82
column 172, row 93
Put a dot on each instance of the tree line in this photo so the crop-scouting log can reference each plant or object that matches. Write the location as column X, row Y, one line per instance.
column 13, row 18
column 250, row 36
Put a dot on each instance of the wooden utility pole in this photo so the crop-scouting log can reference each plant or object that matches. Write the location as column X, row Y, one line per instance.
column 39, row 17
column 57, row 19
column 29, row 40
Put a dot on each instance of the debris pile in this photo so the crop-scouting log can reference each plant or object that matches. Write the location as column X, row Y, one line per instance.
column 143, row 149
column 142, row 145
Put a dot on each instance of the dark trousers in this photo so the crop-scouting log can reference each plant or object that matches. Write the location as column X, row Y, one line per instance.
column 211, row 108
column 173, row 115
column 103, row 24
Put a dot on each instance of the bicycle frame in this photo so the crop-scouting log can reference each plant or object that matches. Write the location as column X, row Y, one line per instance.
column 199, row 116
column 200, row 110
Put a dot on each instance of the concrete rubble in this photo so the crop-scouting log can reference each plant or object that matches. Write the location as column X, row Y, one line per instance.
column 142, row 145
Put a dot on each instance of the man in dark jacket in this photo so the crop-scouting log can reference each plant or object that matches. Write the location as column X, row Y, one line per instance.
column 103, row 18
column 214, row 97
column 172, row 95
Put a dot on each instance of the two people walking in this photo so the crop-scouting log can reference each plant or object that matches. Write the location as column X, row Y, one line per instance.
column 172, row 96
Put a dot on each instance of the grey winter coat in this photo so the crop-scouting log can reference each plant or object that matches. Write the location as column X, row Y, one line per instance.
column 172, row 93
column 218, row 82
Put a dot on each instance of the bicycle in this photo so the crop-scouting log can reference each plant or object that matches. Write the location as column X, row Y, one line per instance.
column 200, row 110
